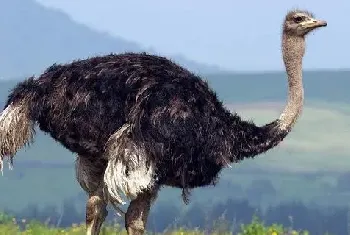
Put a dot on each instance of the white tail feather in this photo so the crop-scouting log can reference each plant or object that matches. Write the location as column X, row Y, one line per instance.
column 16, row 130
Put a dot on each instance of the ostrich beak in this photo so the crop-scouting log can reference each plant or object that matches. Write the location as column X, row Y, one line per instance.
column 313, row 23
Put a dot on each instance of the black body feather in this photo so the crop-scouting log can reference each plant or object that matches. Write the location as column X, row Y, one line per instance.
column 186, row 130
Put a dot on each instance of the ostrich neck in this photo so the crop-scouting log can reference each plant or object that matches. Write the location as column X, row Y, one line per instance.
column 293, row 49
column 249, row 140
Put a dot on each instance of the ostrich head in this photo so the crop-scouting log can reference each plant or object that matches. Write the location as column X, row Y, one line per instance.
column 300, row 23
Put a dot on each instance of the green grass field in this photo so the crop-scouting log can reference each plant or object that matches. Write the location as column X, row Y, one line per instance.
column 15, row 226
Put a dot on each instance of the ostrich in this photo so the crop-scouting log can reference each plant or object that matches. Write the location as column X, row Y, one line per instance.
column 137, row 122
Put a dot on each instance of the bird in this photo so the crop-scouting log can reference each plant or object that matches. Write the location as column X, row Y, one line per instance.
column 138, row 122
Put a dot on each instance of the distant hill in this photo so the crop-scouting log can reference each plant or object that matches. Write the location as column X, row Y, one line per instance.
column 33, row 37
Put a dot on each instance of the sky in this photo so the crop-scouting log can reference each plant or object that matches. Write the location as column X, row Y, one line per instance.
column 236, row 35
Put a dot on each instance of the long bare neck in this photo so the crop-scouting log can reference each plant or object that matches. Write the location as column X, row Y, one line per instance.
column 251, row 140
column 293, row 48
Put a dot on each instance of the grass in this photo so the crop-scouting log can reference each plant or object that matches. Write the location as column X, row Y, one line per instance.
column 9, row 225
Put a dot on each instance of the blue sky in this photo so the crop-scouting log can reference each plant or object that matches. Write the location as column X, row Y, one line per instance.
column 237, row 35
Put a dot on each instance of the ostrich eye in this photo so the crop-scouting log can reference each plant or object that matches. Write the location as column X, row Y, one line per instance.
column 298, row 19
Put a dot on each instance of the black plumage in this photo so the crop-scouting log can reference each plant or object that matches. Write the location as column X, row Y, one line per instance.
column 186, row 129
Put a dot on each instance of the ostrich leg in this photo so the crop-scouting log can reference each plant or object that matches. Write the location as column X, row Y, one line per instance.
column 89, row 173
column 137, row 213
column 96, row 213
